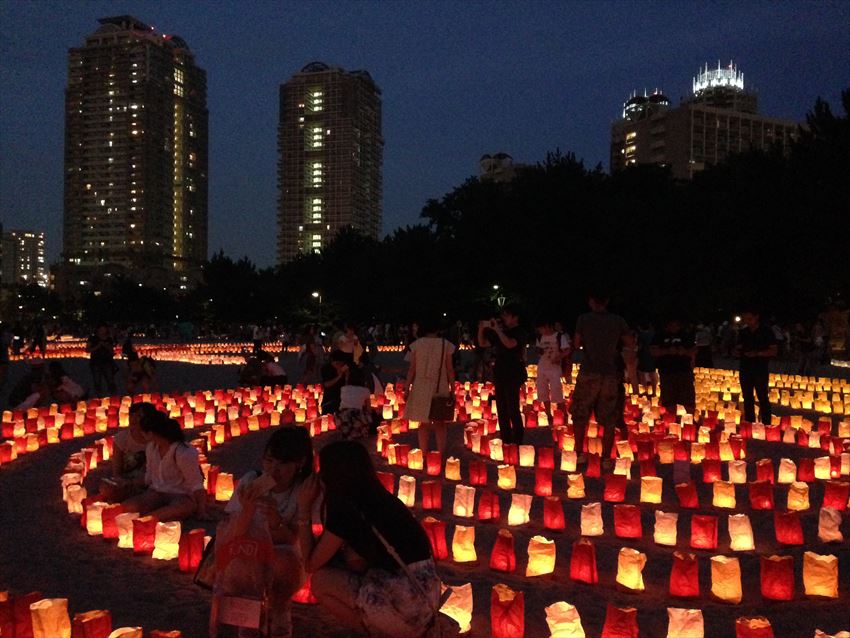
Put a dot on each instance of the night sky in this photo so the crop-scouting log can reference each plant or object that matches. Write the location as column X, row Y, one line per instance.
column 458, row 80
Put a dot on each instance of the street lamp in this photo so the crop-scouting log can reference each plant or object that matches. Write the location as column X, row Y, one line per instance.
column 318, row 296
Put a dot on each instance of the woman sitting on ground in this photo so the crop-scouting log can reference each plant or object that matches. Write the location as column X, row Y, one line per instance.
column 372, row 567
column 270, row 501
column 175, row 483
column 128, row 456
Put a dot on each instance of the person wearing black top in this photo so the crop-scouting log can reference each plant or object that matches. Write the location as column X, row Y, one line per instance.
column 673, row 350
column 509, row 342
column 355, row 574
column 756, row 347
column 334, row 375
column 101, row 349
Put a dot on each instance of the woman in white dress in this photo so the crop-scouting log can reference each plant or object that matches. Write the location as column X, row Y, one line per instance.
column 431, row 373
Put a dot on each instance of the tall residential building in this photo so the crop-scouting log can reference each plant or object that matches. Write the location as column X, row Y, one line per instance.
column 719, row 118
column 135, row 158
column 22, row 258
column 331, row 156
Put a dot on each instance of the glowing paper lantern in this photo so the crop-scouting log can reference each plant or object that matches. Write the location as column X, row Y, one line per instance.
column 687, row 495
column 740, row 533
column 623, row 467
column 726, row 579
column 685, row 623
column 737, row 472
column 564, row 621
column 50, row 618
column 620, row 622
column 627, row 521
column 724, row 495
column 823, row 468
column 92, row 624
column 224, row 487
column 542, row 481
column 541, row 556
column 511, row 453
column 463, row 544
column 798, row 496
column 835, row 494
column 526, row 455
column 591, row 520
column 144, row 534
column 787, row 471
column 488, row 507
column 757, row 627
column 777, row 577
column 94, row 521
column 820, row 574
column 496, row 451
column 507, row 477
column 167, row 540
column 630, row 564
column 553, row 513
column 761, row 495
column 436, row 532
column 477, row 472
column 415, row 459
column 432, row 495
column 520, row 506
column 191, row 550
column 703, row 531
column 433, row 463
column 127, row 632
column 615, row 488
column 575, row 486
column 787, row 528
column 458, row 606
column 507, row 612
column 503, row 556
column 452, row 469
column 650, row 489
column 710, row 470
column 407, row 490
column 464, row 504
column 124, row 523
column 665, row 528
column 684, row 576
column 568, row 461
column 75, row 495
column 387, row 479
column 583, row 562
column 829, row 525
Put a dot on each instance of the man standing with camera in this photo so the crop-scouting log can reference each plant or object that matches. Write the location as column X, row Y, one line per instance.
column 509, row 342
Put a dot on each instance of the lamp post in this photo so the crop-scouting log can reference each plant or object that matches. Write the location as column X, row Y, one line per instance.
column 500, row 298
column 318, row 296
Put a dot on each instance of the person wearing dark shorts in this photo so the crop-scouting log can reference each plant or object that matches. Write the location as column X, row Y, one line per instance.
column 673, row 350
column 756, row 347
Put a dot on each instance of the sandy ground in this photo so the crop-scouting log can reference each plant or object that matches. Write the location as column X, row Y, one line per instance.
column 43, row 548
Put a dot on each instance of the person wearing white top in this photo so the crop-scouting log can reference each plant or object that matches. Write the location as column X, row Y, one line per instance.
column 175, row 483
column 552, row 348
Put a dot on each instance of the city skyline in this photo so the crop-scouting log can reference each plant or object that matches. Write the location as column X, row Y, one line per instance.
column 458, row 81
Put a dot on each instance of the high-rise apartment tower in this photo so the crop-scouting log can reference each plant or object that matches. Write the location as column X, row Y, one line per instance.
column 331, row 155
column 135, row 158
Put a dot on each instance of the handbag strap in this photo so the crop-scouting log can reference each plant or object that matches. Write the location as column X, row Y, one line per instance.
column 442, row 364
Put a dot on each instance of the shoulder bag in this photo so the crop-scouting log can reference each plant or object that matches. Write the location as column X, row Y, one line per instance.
column 442, row 405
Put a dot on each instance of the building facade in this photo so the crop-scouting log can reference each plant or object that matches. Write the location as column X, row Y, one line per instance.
column 135, row 158
column 330, row 158
column 719, row 119
column 22, row 259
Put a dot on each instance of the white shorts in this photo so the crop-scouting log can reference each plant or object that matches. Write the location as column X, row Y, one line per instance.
column 549, row 384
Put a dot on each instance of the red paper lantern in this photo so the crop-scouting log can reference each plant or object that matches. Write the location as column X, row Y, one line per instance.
column 594, row 466
column 703, row 531
column 687, row 494
column 488, row 507
column 777, row 577
column 835, row 494
column 620, row 622
column 503, row 556
column 191, row 550
column 144, row 534
column 436, row 532
column 432, row 495
column 753, row 628
column 402, row 451
column 7, row 614
column 212, row 479
column 787, row 528
column 684, row 576
column 21, row 616
column 107, row 517
column 764, row 470
column 507, row 613
column 546, row 458
column 806, row 469
column 689, row 432
column 510, row 452
column 802, row 438
column 553, row 513
column 433, row 463
column 615, row 488
column 583, row 562
column 681, row 451
column 627, row 521
column 645, row 449
column 477, row 472
column 485, row 447
column 92, row 624
column 542, row 481
column 773, row 433
column 710, row 470
column 387, row 480
column 648, row 468
column 761, row 495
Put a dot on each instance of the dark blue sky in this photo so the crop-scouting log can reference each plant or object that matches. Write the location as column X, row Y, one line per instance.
column 458, row 80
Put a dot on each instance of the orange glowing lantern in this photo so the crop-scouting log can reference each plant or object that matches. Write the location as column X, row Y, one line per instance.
column 591, row 520
column 94, row 521
column 798, row 496
column 76, row 494
column 541, row 556
column 703, row 531
column 757, row 627
column 50, row 618
column 583, row 562
column 620, row 622
column 568, row 461
column 627, row 521
column 92, row 624
column 726, row 579
column 166, row 540
column 503, row 556
column 507, row 612
column 496, row 451
column 144, row 534
column 507, row 477
column 553, row 513
column 191, row 550
column 823, row 468
column 777, row 577
column 685, row 623
column 224, row 487
column 575, row 486
column 740, row 533
column 452, row 469
column 526, row 455
column 463, row 545
column 458, row 606
column 684, row 576
column 724, row 495
column 564, row 621
column 127, row 632
column 820, row 574
column 737, row 472
column 464, row 503
column 435, row 530
column 650, row 489
column 829, row 525
column 665, row 528
column 787, row 471
column 520, row 506
column 124, row 523
column 630, row 564
column 415, row 459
